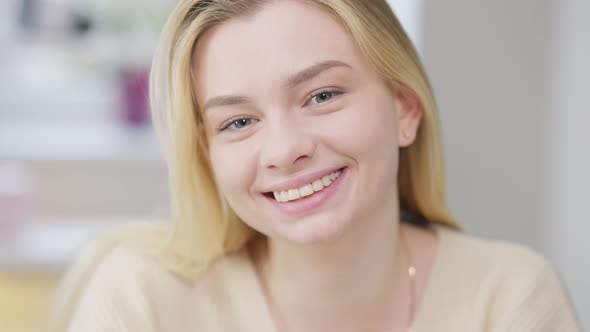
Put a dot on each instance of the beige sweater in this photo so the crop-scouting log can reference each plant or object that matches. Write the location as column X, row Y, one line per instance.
column 475, row 285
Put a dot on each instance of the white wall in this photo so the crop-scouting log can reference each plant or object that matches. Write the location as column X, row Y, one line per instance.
column 411, row 15
column 489, row 67
column 569, row 227
column 512, row 79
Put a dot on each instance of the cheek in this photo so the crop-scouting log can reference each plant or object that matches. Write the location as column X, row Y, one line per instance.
column 367, row 134
column 235, row 168
column 366, row 129
column 233, row 171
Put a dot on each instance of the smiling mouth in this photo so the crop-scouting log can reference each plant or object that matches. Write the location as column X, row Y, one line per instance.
column 308, row 190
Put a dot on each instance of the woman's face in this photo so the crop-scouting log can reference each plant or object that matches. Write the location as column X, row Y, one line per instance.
column 292, row 109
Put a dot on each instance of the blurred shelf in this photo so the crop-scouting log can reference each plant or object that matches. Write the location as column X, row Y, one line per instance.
column 78, row 141
column 84, row 168
column 49, row 245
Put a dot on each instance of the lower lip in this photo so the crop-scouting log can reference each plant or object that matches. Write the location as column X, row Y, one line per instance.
column 307, row 204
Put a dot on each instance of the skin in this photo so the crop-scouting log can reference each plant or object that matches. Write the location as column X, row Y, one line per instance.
column 311, row 265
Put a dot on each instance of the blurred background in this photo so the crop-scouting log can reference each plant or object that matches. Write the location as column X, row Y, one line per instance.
column 78, row 155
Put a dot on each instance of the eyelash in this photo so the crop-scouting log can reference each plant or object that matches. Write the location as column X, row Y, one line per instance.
column 335, row 91
column 232, row 121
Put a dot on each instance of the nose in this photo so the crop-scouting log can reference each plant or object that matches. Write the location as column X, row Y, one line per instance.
column 286, row 146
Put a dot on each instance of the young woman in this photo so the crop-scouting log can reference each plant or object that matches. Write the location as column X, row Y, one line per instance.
column 308, row 187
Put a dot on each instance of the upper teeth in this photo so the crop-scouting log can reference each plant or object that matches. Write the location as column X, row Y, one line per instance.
column 306, row 190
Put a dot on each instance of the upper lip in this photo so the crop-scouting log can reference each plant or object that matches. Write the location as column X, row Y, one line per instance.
column 302, row 180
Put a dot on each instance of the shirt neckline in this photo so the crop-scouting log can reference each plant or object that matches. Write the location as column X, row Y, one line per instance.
column 421, row 311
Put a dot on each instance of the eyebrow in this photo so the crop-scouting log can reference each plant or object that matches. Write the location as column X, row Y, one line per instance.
column 293, row 81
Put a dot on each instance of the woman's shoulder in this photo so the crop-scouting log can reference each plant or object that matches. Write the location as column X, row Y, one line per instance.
column 507, row 284
column 118, row 282
column 124, row 265
column 107, row 282
column 502, row 265
column 128, row 268
column 491, row 254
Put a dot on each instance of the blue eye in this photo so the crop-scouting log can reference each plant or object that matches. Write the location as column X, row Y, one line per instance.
column 237, row 123
column 325, row 96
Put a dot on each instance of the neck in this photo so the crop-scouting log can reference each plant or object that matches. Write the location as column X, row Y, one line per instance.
column 356, row 283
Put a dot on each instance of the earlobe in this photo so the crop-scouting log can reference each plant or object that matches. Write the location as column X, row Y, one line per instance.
column 409, row 116
column 407, row 134
column 406, row 139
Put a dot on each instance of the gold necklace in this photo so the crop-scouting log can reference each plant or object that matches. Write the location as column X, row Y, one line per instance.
column 412, row 277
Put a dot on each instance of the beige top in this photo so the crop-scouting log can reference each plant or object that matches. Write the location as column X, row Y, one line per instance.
column 475, row 285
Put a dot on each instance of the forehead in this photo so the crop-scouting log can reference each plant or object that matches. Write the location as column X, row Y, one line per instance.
column 263, row 49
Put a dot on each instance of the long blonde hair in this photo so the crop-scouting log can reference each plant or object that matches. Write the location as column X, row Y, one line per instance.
column 205, row 227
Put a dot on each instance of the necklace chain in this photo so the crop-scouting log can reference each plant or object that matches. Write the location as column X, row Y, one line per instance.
column 412, row 278
column 282, row 327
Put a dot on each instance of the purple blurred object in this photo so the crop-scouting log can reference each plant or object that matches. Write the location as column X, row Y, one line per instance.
column 135, row 85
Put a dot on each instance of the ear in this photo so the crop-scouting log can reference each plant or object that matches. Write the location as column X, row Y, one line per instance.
column 409, row 112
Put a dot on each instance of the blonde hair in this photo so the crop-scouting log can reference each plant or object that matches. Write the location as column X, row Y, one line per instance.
column 205, row 227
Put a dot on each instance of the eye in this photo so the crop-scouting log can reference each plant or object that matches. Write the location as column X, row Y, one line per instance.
column 237, row 123
column 325, row 96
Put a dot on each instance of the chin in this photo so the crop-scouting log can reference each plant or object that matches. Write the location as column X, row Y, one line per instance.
column 315, row 230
